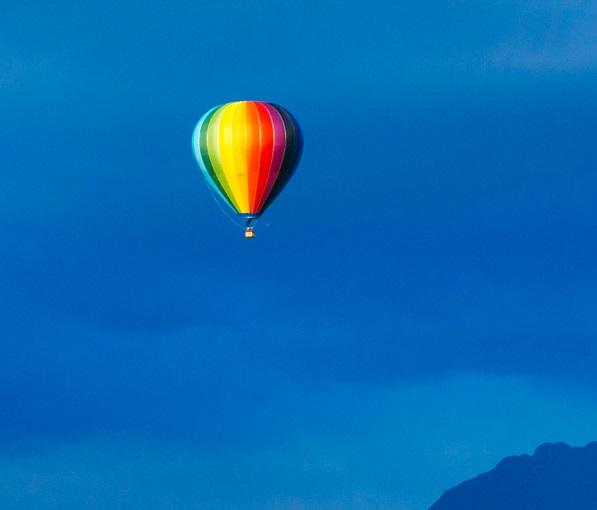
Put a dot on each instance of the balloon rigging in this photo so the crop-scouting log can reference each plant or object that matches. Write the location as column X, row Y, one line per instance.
column 247, row 152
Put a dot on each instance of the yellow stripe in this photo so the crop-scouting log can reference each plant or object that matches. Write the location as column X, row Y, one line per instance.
column 233, row 151
column 213, row 147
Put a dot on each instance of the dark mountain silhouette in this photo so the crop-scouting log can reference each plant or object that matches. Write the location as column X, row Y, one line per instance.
column 556, row 477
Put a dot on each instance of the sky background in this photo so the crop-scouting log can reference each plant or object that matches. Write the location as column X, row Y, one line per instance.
column 419, row 303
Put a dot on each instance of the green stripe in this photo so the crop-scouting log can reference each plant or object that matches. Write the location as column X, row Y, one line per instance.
column 210, row 155
column 211, row 177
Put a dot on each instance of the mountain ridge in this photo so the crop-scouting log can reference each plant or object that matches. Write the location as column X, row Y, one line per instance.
column 555, row 477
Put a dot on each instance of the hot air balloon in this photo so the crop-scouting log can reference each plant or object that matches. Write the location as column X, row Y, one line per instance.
column 247, row 151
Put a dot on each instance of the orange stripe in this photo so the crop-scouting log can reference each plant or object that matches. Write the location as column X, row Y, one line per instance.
column 253, row 152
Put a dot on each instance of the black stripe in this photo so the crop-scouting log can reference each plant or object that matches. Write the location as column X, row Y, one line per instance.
column 292, row 155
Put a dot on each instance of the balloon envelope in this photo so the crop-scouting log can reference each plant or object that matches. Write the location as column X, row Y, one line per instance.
column 247, row 151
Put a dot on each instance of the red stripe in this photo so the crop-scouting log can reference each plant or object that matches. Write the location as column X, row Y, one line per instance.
column 266, row 151
column 278, row 149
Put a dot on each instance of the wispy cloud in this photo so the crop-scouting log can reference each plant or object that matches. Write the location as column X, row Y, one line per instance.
column 346, row 446
column 550, row 36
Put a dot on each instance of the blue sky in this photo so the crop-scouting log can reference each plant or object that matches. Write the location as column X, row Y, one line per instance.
column 419, row 302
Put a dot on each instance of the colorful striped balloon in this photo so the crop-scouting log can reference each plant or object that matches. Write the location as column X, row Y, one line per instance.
column 247, row 151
